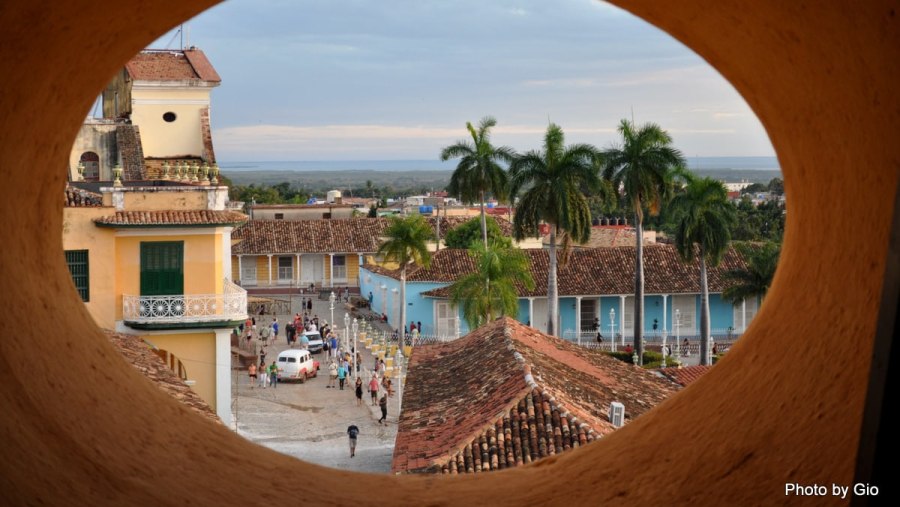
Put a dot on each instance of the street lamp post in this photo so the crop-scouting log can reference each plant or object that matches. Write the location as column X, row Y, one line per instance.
column 331, row 299
column 346, row 333
column 677, row 335
column 355, row 350
column 612, row 328
column 399, row 360
column 664, row 336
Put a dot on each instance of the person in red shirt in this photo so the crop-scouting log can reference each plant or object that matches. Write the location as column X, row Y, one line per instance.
column 373, row 389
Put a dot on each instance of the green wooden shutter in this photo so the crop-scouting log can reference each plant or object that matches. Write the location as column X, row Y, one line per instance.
column 162, row 268
column 77, row 260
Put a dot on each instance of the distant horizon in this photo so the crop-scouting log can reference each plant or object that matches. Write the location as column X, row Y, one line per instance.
column 750, row 162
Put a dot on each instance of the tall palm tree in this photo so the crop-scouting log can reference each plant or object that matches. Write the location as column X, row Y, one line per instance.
column 479, row 170
column 641, row 167
column 406, row 243
column 754, row 279
column 704, row 231
column 553, row 179
column 490, row 292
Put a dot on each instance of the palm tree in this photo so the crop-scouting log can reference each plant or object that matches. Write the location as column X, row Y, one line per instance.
column 406, row 243
column 490, row 292
column 555, row 178
column 641, row 166
column 754, row 279
column 704, row 231
column 478, row 171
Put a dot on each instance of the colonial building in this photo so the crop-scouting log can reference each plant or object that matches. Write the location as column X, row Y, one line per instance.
column 155, row 261
column 148, row 237
column 285, row 254
column 507, row 395
column 595, row 283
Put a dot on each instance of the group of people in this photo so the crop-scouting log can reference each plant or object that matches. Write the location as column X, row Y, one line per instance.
column 263, row 375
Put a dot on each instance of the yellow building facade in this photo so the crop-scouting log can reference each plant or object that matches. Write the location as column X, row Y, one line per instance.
column 156, row 261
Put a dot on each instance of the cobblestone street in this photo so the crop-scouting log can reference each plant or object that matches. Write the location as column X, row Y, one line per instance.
column 309, row 421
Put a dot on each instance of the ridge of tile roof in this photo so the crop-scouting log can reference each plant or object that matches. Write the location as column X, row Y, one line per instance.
column 505, row 395
column 171, row 217
column 685, row 375
column 137, row 353
column 78, row 198
column 588, row 272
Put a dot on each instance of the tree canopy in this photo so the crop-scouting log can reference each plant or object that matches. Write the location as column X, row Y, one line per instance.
column 465, row 234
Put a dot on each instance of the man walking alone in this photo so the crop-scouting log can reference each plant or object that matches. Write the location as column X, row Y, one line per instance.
column 352, row 432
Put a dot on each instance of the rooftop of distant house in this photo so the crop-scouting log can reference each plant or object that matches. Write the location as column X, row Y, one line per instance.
column 604, row 236
column 586, row 272
column 325, row 205
column 506, row 395
column 171, row 65
column 335, row 235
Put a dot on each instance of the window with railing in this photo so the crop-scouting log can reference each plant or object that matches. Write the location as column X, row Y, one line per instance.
column 248, row 270
column 339, row 266
column 77, row 260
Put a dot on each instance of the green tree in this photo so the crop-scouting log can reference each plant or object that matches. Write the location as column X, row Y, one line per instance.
column 373, row 211
column 463, row 235
column 554, row 179
column 406, row 243
column 776, row 186
column 704, row 231
column 754, row 279
column 490, row 292
column 642, row 167
column 479, row 170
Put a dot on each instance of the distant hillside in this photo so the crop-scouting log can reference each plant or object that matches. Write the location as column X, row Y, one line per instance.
column 400, row 181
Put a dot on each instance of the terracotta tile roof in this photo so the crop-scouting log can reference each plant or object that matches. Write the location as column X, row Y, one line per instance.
column 592, row 271
column 506, row 395
column 336, row 235
column 78, row 198
column 602, row 237
column 171, row 217
column 171, row 65
column 686, row 375
column 136, row 352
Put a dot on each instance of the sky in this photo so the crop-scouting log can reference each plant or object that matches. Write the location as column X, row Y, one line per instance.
column 399, row 79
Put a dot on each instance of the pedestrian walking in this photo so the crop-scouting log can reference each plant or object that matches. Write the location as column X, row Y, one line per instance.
column 251, row 371
column 358, row 392
column 373, row 389
column 332, row 374
column 273, row 374
column 263, row 374
column 383, row 404
column 352, row 432
column 274, row 329
column 342, row 376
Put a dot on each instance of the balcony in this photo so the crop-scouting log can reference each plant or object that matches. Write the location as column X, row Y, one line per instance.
column 186, row 310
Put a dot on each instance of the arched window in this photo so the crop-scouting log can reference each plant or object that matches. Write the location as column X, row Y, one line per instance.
column 91, row 162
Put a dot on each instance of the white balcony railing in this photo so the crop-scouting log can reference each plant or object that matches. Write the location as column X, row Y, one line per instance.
column 187, row 308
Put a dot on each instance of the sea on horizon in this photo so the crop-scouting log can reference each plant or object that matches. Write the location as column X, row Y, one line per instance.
column 736, row 163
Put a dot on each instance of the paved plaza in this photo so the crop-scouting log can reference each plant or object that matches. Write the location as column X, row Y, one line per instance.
column 309, row 421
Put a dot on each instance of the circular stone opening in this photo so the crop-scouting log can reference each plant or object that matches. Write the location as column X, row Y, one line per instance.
column 169, row 116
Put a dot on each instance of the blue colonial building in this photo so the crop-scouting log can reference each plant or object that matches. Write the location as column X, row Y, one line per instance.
column 596, row 288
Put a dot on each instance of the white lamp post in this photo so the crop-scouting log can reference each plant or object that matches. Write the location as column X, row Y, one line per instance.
column 331, row 299
column 677, row 335
column 399, row 360
column 664, row 336
column 612, row 328
column 346, row 331
column 456, row 325
column 355, row 350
